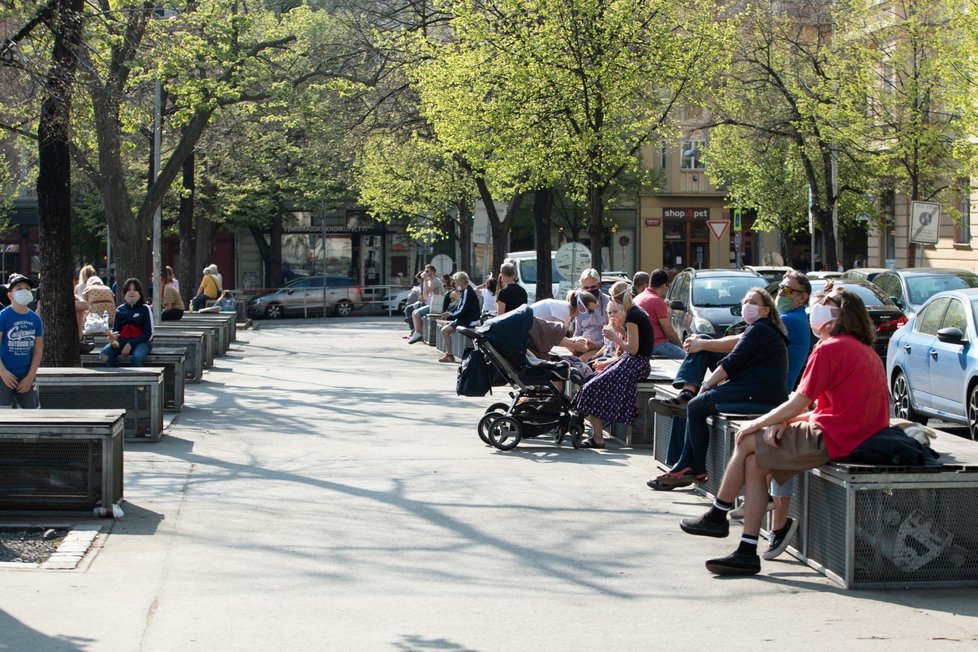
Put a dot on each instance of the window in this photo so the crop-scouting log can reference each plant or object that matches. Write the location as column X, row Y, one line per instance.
column 690, row 153
column 962, row 232
column 956, row 317
column 929, row 319
column 663, row 160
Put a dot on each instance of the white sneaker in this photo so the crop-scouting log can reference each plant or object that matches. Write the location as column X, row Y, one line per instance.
column 738, row 513
column 417, row 337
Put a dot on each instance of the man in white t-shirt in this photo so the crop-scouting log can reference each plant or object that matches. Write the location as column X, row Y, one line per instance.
column 431, row 287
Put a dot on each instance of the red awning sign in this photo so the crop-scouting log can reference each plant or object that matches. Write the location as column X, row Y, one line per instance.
column 718, row 228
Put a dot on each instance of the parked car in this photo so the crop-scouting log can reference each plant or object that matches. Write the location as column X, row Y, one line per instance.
column 911, row 288
column 397, row 301
column 305, row 296
column 885, row 315
column 932, row 362
column 610, row 278
column 771, row 273
column 863, row 273
column 823, row 276
column 707, row 301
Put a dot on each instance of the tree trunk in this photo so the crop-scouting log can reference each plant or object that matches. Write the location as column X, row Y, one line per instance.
column 274, row 269
column 206, row 230
column 542, row 205
column 54, row 192
column 465, row 237
column 186, row 269
column 595, row 224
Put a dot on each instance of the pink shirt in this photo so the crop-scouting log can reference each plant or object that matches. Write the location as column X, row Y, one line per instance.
column 847, row 379
column 655, row 307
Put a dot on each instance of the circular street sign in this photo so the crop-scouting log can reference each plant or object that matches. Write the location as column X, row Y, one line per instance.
column 572, row 259
column 443, row 264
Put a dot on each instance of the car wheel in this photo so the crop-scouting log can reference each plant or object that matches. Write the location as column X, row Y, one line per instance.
column 344, row 309
column 274, row 311
column 902, row 407
column 973, row 411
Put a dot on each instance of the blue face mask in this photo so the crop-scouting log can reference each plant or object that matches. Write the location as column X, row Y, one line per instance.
column 23, row 297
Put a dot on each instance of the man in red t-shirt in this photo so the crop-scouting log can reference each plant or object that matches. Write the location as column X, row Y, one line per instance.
column 666, row 343
column 845, row 379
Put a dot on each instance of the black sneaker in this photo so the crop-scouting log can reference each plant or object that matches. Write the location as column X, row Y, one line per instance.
column 735, row 564
column 672, row 407
column 704, row 528
column 779, row 539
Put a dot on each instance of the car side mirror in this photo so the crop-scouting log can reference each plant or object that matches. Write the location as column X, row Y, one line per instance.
column 292, row 291
column 677, row 305
column 951, row 336
column 737, row 311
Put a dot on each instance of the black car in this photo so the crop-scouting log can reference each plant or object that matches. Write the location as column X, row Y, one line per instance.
column 707, row 301
column 885, row 315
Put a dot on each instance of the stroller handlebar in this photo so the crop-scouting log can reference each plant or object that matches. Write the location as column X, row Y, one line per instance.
column 470, row 333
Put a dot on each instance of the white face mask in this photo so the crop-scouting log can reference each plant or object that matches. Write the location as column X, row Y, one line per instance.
column 821, row 315
column 750, row 313
column 23, row 297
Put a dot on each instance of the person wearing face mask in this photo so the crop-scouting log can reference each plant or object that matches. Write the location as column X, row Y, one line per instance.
column 21, row 346
column 132, row 333
column 753, row 374
column 846, row 382
column 793, row 293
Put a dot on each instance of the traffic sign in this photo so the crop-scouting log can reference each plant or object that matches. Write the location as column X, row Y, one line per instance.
column 925, row 221
column 718, row 228
column 737, row 220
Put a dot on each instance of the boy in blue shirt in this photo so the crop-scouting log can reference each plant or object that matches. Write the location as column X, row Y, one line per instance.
column 21, row 346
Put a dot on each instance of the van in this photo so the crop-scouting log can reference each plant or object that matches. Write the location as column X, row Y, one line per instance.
column 526, row 274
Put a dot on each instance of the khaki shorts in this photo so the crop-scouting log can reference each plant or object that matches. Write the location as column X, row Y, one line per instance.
column 801, row 448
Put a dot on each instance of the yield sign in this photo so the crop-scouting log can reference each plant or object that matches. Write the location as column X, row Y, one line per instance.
column 718, row 227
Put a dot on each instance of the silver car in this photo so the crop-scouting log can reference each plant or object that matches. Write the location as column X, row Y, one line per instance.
column 305, row 296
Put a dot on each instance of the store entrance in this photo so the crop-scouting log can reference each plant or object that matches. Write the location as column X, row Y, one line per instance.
column 685, row 244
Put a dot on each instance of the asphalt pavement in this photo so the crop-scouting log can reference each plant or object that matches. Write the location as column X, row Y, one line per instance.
column 324, row 489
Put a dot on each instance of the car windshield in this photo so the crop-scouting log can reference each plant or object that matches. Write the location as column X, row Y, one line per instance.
column 723, row 291
column 872, row 297
column 528, row 271
column 922, row 288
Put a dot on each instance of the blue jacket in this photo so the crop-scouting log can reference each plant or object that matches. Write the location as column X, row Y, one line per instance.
column 758, row 364
column 133, row 324
column 468, row 309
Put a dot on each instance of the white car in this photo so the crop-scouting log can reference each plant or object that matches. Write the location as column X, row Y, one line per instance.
column 397, row 301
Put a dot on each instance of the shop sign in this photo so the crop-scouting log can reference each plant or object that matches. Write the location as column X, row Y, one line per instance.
column 653, row 221
column 686, row 213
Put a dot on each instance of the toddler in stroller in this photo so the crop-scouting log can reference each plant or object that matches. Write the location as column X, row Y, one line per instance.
column 539, row 405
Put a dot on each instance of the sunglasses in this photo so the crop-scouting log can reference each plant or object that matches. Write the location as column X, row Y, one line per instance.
column 789, row 291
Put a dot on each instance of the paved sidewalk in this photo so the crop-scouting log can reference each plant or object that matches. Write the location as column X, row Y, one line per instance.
column 325, row 489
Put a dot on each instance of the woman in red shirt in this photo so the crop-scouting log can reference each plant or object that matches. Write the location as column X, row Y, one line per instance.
column 846, row 381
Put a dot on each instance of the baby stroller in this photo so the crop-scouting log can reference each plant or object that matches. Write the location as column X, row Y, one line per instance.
column 537, row 407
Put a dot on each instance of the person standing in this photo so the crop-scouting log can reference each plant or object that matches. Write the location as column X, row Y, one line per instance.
column 21, row 346
column 512, row 295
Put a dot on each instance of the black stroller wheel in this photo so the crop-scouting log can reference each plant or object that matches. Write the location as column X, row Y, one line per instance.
column 505, row 433
column 492, row 413
column 577, row 435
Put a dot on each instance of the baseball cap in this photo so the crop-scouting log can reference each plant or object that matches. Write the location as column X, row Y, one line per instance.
column 16, row 278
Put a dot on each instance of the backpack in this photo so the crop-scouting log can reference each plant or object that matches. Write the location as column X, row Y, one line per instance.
column 473, row 374
column 891, row 446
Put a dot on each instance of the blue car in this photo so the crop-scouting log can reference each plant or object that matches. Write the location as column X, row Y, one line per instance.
column 932, row 362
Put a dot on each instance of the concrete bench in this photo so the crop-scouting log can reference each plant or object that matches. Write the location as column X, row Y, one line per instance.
column 459, row 342
column 137, row 391
column 211, row 342
column 888, row 527
column 171, row 360
column 195, row 347
column 216, row 329
column 641, row 432
column 60, row 459
column 227, row 320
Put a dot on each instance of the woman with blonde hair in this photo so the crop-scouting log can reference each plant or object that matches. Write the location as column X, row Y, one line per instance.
column 84, row 274
column 610, row 394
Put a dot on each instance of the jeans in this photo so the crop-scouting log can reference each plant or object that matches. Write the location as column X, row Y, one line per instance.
column 669, row 350
column 26, row 401
column 694, row 366
column 138, row 354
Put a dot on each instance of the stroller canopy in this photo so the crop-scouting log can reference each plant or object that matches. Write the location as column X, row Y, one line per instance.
column 508, row 333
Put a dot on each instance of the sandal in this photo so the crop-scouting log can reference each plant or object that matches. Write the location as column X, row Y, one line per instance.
column 672, row 407
column 447, row 358
column 591, row 443
column 676, row 479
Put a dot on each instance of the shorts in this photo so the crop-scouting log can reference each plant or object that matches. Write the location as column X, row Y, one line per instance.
column 802, row 448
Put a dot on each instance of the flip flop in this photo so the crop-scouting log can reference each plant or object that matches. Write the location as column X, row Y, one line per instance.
column 447, row 358
column 590, row 443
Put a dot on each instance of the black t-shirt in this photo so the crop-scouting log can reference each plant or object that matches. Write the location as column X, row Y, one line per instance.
column 513, row 295
column 646, row 336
